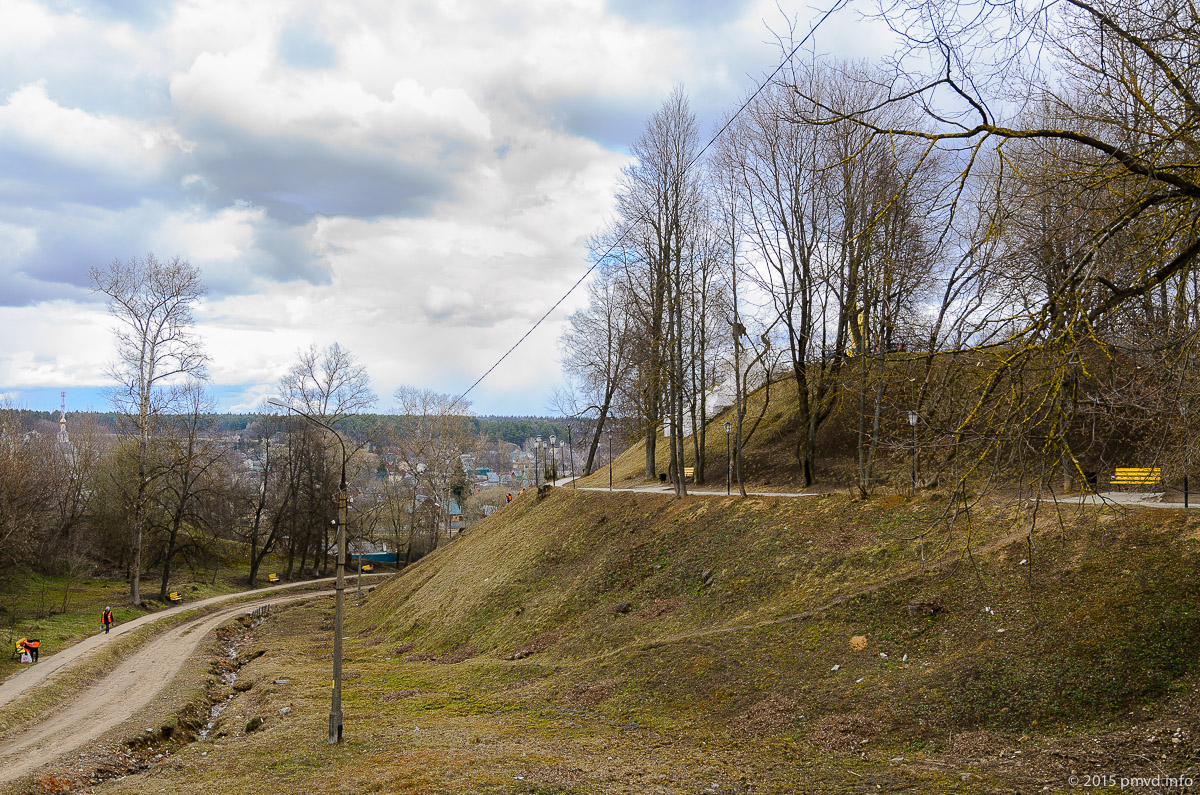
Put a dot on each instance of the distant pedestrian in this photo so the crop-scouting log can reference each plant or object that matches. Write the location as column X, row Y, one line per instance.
column 28, row 649
column 106, row 619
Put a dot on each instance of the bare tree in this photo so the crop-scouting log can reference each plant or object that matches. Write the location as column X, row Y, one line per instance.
column 1098, row 98
column 152, row 303
column 596, row 351
column 191, row 459
column 78, row 453
column 329, row 384
column 656, row 203
column 272, row 492
column 27, row 489
column 432, row 433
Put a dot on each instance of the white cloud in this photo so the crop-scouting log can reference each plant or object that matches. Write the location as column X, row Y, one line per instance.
column 16, row 242
column 62, row 344
column 34, row 124
column 416, row 181
column 27, row 26
column 215, row 239
column 249, row 89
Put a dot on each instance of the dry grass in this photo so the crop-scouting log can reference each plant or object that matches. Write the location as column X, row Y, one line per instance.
column 729, row 683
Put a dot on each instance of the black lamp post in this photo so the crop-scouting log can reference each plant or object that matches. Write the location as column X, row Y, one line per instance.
column 610, row 459
column 1187, row 448
column 728, row 426
column 537, row 445
column 571, row 447
column 553, row 468
column 913, row 419
column 335, row 709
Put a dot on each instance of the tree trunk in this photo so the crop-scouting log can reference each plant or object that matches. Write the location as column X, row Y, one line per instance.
column 172, row 538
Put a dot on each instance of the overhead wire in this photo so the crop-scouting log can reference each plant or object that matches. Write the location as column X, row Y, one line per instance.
column 621, row 237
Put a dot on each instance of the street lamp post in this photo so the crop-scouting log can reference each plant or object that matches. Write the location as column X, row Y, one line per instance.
column 553, row 471
column 728, row 426
column 913, row 419
column 571, row 447
column 537, row 472
column 335, row 708
column 1187, row 449
column 610, row 459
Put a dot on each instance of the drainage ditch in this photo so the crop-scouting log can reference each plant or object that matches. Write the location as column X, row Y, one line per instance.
column 196, row 721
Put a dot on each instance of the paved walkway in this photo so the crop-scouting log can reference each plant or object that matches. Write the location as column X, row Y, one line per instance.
column 668, row 489
column 1144, row 499
column 1132, row 498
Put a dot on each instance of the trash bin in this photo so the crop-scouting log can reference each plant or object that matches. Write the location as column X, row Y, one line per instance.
column 662, row 477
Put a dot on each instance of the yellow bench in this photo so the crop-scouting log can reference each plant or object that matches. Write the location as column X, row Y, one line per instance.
column 367, row 567
column 689, row 472
column 174, row 596
column 1137, row 476
column 272, row 578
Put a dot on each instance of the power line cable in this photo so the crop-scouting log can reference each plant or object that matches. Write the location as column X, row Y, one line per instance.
column 621, row 237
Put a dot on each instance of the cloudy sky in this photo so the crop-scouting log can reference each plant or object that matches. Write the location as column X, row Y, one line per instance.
column 413, row 179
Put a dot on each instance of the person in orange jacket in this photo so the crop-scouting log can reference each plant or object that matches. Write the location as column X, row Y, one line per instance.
column 106, row 619
column 30, row 646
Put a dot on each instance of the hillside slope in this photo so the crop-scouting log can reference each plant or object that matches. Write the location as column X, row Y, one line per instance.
column 819, row 623
column 591, row 642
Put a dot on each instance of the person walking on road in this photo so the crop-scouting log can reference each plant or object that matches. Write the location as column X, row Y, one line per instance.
column 106, row 619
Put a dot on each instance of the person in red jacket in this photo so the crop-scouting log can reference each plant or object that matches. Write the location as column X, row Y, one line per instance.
column 106, row 619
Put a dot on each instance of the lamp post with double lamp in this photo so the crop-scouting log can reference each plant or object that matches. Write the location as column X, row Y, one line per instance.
column 553, row 470
column 335, row 709
column 728, row 426
column 913, row 419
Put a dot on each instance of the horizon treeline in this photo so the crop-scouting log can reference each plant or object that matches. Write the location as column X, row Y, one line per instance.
column 511, row 428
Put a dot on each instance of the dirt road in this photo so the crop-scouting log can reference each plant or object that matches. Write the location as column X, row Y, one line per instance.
column 119, row 694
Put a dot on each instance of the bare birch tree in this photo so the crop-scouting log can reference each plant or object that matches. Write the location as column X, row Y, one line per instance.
column 152, row 302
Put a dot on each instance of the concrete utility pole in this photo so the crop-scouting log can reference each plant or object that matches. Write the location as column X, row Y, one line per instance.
column 335, row 708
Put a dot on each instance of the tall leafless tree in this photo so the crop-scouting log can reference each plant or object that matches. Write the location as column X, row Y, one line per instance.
column 152, row 302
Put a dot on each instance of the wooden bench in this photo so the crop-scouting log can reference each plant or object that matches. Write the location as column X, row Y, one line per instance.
column 272, row 578
column 689, row 472
column 175, row 596
column 367, row 568
column 1137, row 476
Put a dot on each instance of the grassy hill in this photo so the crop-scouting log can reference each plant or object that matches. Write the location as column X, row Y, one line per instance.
column 590, row 642
column 770, row 460
column 1097, row 615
